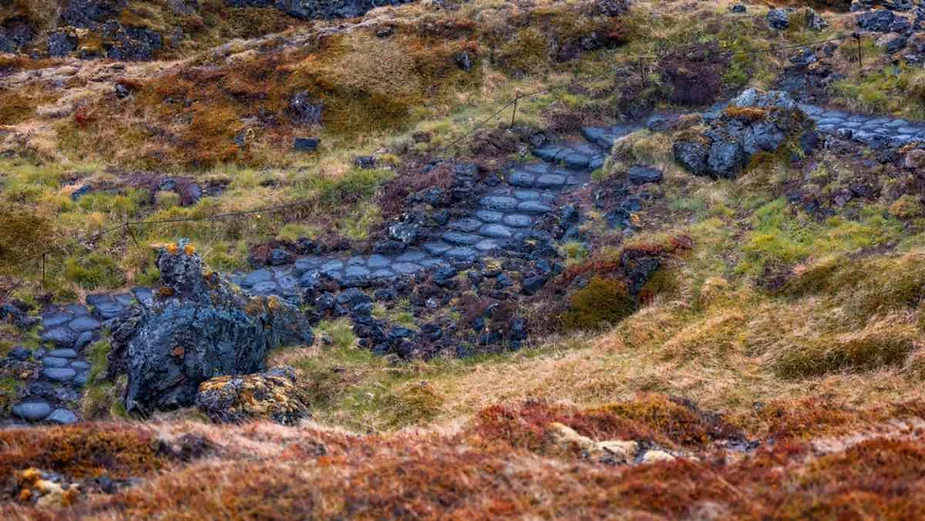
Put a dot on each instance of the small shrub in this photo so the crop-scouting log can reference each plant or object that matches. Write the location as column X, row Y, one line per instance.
column 412, row 404
column 907, row 207
column 22, row 233
column 602, row 302
column 93, row 271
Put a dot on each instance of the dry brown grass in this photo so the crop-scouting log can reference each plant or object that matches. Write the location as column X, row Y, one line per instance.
column 501, row 466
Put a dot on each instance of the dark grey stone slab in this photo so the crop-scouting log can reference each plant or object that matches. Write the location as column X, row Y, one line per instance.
column 521, row 179
column 411, row 256
column 466, row 225
column 55, row 319
column 496, row 231
column 436, row 248
column 461, row 239
column 406, row 268
column 487, row 245
column 533, row 208
column 80, row 365
column 517, row 220
column 332, row 266
column 488, row 216
column 62, row 417
column 499, row 203
column 550, row 181
column 60, row 336
column 85, row 323
column 59, row 374
column 54, row 361
column 526, row 195
column 62, row 353
column 378, row 261
column 257, row 277
column 463, row 253
column 32, row 411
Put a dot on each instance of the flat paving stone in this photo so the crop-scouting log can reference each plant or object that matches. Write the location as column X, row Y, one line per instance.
column 126, row 299
column 62, row 353
column 288, row 284
column 256, row 277
column 550, row 181
column 356, row 272
column 432, row 263
column 356, row 261
column 526, row 195
column 80, row 365
column 533, row 207
column 466, row 225
column 460, row 239
column 383, row 274
column 517, row 220
column 487, row 245
column 411, row 256
column 77, row 310
column 378, row 261
column 548, row 153
column 144, row 296
column 332, row 266
column 32, row 411
column 436, row 248
column 59, row 336
column 488, row 216
column 406, row 268
column 308, row 263
column 84, row 339
column 85, row 323
column 499, row 203
column 54, row 361
column 62, row 417
column 55, row 319
column 463, row 253
column 576, row 161
column 59, row 374
column 265, row 288
column 521, row 179
column 496, row 231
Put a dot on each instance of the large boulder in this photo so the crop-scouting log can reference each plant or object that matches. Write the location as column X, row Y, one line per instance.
column 268, row 396
column 200, row 326
column 754, row 122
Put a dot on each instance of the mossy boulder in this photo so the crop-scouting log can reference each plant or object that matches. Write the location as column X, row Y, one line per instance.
column 269, row 396
column 755, row 122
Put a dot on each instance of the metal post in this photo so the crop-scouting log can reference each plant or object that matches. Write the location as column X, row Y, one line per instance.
column 642, row 74
column 43, row 266
column 857, row 37
column 514, row 112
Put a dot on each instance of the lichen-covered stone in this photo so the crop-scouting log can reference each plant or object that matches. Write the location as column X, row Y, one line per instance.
column 269, row 396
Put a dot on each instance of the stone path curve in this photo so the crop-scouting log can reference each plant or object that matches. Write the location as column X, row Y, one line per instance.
column 505, row 213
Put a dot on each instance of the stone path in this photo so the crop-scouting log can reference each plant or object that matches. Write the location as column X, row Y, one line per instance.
column 504, row 214
column 873, row 131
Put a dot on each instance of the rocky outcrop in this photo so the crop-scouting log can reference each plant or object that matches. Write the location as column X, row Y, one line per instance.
column 329, row 9
column 199, row 327
column 269, row 396
column 754, row 122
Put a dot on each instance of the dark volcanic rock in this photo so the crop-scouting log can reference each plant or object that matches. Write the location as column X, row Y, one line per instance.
column 201, row 327
column 88, row 13
column 755, row 121
column 326, row 9
column 778, row 19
